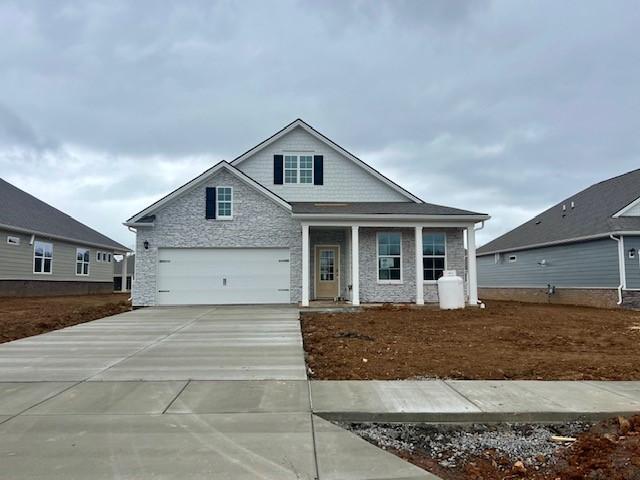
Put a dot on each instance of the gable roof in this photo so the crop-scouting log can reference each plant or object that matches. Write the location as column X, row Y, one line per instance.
column 136, row 219
column 592, row 215
column 380, row 208
column 299, row 123
column 25, row 213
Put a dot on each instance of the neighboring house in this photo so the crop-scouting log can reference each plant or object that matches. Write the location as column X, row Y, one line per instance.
column 584, row 250
column 44, row 251
column 129, row 273
column 293, row 219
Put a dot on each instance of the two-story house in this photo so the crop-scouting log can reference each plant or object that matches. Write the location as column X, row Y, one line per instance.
column 293, row 219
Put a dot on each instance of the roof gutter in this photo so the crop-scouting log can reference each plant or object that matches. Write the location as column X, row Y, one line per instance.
column 390, row 216
column 558, row 242
column 66, row 239
column 137, row 224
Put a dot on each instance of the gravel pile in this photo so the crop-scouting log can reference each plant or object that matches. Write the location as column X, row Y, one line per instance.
column 452, row 444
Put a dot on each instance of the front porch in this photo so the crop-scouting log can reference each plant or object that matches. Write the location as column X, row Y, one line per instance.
column 345, row 264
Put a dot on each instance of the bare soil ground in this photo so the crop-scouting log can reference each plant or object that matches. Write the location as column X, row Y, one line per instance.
column 26, row 316
column 507, row 340
column 606, row 451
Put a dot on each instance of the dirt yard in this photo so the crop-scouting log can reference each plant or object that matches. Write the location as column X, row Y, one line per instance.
column 23, row 317
column 606, row 451
column 507, row 340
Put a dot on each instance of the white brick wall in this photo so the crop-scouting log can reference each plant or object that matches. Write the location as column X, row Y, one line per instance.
column 343, row 179
column 257, row 222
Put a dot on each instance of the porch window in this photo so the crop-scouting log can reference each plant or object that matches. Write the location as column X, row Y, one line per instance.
column 389, row 257
column 42, row 257
column 434, row 255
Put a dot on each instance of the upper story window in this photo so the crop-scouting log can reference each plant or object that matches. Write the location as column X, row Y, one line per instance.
column 42, row 257
column 434, row 256
column 224, row 203
column 298, row 169
column 389, row 257
column 82, row 261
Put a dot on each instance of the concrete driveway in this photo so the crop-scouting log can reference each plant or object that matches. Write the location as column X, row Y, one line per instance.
column 169, row 393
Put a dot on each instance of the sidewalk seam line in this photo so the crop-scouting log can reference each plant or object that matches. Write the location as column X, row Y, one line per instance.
column 465, row 397
column 176, row 397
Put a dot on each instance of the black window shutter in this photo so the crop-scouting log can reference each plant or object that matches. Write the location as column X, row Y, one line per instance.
column 277, row 169
column 210, row 210
column 318, row 170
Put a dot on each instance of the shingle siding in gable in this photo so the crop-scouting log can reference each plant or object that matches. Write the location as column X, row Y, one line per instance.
column 343, row 180
column 257, row 222
column 585, row 264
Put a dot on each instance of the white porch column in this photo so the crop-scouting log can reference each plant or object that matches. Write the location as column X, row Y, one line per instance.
column 305, row 265
column 123, row 288
column 355, row 266
column 471, row 260
column 419, row 268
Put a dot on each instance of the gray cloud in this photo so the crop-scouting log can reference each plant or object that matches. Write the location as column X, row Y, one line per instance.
column 504, row 107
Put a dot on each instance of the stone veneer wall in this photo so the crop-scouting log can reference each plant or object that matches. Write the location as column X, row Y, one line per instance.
column 589, row 297
column 372, row 292
column 257, row 222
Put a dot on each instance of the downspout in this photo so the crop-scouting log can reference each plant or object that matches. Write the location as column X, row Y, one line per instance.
column 621, row 269
column 480, row 302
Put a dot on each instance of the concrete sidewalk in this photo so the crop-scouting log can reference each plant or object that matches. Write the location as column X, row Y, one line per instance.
column 473, row 401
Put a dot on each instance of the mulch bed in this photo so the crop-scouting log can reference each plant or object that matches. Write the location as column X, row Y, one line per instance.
column 507, row 340
column 26, row 316
column 607, row 451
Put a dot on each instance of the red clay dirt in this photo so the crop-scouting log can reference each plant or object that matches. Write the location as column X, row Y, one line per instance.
column 507, row 340
column 26, row 316
column 608, row 451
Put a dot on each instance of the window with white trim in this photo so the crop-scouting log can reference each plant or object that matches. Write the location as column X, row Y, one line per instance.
column 108, row 258
column 389, row 257
column 434, row 256
column 98, row 256
column 82, row 261
column 42, row 257
column 298, row 169
column 224, row 203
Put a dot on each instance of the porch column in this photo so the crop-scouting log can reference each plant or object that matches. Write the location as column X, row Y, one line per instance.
column 419, row 268
column 123, row 287
column 355, row 266
column 305, row 265
column 471, row 260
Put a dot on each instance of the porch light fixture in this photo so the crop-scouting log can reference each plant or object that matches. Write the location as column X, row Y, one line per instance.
column 632, row 253
column 146, row 245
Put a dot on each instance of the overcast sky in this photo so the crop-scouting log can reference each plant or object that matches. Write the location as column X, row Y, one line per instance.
column 502, row 107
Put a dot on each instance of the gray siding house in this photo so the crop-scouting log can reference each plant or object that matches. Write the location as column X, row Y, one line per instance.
column 294, row 219
column 44, row 251
column 585, row 250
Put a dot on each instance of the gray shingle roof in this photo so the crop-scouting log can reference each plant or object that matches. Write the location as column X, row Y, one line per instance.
column 592, row 215
column 368, row 208
column 23, row 211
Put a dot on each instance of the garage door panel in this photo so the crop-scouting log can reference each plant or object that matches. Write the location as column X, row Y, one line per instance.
column 223, row 276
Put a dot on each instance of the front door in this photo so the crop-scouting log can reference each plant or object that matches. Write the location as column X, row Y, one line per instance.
column 327, row 272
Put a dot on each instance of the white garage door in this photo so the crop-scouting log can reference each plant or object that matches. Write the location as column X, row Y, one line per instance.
column 190, row 276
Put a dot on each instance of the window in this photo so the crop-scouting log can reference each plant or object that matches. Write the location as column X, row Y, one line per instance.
column 513, row 259
column 389, row 257
column 82, row 261
column 98, row 256
column 298, row 169
column 327, row 265
column 290, row 169
column 224, row 203
column 434, row 256
column 306, row 169
column 108, row 257
column 42, row 257
column 11, row 240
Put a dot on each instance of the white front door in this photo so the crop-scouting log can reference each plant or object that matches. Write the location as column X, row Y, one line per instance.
column 210, row 276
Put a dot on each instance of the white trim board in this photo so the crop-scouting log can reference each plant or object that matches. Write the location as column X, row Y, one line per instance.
column 191, row 184
column 299, row 123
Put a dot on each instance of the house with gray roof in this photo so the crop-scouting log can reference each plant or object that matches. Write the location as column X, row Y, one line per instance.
column 298, row 218
column 44, row 251
column 584, row 250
